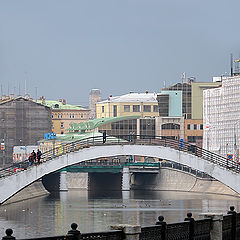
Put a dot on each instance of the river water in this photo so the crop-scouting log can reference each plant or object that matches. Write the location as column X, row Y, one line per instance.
column 53, row 214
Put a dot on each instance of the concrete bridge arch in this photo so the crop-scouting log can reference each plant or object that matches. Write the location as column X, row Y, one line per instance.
column 12, row 184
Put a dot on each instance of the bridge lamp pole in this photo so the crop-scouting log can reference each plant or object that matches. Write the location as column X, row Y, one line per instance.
column 4, row 142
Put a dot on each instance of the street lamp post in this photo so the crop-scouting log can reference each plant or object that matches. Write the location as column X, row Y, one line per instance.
column 4, row 144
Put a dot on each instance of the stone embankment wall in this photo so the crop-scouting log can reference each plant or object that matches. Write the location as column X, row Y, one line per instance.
column 166, row 180
column 176, row 180
column 34, row 190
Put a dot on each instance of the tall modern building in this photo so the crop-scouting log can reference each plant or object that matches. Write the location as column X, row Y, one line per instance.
column 181, row 107
column 94, row 98
column 22, row 122
column 221, row 117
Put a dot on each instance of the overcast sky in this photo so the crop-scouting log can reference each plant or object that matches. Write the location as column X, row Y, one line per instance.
column 66, row 47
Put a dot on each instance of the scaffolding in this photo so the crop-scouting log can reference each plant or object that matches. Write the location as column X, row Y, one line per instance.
column 221, row 117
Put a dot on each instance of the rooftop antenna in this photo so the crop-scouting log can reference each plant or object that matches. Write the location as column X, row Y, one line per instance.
column 184, row 77
column 19, row 90
column 36, row 92
column 164, row 84
column 231, row 64
column 25, row 85
column 237, row 70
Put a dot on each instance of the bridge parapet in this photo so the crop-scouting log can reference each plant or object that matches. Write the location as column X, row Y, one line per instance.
column 208, row 226
column 79, row 145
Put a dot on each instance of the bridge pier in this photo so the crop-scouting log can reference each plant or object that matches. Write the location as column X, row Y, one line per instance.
column 126, row 179
column 63, row 181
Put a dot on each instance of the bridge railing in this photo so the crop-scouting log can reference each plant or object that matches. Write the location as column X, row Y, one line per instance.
column 219, row 226
column 65, row 148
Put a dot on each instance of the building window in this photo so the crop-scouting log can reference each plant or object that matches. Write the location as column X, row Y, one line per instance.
column 191, row 139
column 58, row 115
column 114, row 110
column 188, row 126
column 195, row 126
column 155, row 108
column 61, row 132
column 73, row 115
column 126, row 108
column 61, row 124
column 52, row 115
column 81, row 115
column 136, row 108
column 147, row 108
column 70, row 115
column 102, row 109
column 201, row 127
column 170, row 126
column 61, row 115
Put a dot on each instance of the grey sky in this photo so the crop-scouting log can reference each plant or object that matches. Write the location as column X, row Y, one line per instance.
column 67, row 47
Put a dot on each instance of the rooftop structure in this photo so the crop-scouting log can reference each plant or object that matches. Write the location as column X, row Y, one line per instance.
column 60, row 104
column 133, row 97
column 96, row 123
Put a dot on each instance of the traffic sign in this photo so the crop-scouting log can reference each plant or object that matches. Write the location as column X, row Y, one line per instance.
column 2, row 146
column 229, row 157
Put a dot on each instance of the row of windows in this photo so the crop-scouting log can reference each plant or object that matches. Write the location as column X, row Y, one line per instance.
column 195, row 126
column 66, row 115
column 135, row 108
column 170, row 126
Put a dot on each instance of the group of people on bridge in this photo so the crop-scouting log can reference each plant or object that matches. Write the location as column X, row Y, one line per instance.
column 35, row 157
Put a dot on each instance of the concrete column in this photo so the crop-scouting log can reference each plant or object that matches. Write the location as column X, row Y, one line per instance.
column 63, row 181
column 138, row 128
column 132, row 232
column 126, row 179
column 157, row 126
column 217, row 222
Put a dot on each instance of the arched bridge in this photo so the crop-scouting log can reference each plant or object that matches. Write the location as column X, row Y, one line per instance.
column 216, row 166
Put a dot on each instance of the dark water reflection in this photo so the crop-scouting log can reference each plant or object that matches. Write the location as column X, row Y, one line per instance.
column 53, row 214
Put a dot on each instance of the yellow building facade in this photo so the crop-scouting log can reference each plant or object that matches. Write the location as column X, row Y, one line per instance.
column 132, row 104
column 63, row 114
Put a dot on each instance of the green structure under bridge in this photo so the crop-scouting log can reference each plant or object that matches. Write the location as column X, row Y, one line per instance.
column 98, row 174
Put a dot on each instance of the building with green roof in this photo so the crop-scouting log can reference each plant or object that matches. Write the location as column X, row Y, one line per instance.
column 63, row 114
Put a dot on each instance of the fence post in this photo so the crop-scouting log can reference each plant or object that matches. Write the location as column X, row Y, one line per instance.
column 131, row 232
column 190, row 219
column 74, row 234
column 234, row 215
column 164, row 227
column 8, row 236
column 217, row 223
